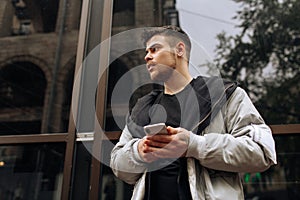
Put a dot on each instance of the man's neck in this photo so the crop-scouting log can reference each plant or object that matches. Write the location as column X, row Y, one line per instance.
column 177, row 83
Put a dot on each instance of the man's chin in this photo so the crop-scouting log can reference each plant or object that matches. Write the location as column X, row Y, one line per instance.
column 158, row 78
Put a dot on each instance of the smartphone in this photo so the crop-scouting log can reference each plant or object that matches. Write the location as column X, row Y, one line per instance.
column 153, row 129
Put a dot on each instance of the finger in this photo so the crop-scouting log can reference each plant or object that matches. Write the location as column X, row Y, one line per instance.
column 172, row 130
column 160, row 138
column 152, row 143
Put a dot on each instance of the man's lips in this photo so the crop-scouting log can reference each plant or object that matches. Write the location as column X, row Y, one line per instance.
column 150, row 66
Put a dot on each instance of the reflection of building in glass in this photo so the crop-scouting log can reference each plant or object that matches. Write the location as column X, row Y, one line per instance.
column 110, row 188
column 30, row 171
column 31, row 45
column 128, row 14
column 37, row 61
column 38, row 45
column 21, row 24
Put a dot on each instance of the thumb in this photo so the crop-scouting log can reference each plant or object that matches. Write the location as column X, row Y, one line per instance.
column 172, row 130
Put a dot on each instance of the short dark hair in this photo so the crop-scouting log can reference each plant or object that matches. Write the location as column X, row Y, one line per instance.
column 169, row 31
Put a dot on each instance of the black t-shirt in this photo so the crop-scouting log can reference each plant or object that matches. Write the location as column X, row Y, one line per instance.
column 171, row 181
column 193, row 110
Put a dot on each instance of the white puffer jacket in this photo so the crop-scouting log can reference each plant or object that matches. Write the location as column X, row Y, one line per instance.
column 237, row 140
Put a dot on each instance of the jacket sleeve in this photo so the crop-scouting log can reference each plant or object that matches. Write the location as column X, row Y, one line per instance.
column 247, row 144
column 126, row 162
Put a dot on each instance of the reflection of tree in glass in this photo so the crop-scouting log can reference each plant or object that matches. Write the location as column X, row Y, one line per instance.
column 265, row 56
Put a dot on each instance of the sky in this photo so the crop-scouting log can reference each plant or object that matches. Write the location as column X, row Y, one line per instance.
column 203, row 20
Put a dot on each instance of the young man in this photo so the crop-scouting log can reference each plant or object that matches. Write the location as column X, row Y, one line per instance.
column 214, row 131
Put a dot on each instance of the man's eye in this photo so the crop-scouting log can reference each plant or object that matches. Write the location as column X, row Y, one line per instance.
column 154, row 49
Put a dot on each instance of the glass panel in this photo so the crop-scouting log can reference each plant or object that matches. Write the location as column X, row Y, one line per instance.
column 266, row 66
column 31, row 171
column 89, row 69
column 81, row 180
column 112, row 188
column 253, row 42
column 37, row 61
column 128, row 65
column 280, row 181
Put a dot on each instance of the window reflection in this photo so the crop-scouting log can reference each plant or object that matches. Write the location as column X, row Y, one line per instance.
column 278, row 101
column 22, row 93
column 23, row 84
column 31, row 171
column 128, row 15
column 82, row 167
column 112, row 188
column 280, row 181
column 37, row 62
column 30, row 16
column 123, row 13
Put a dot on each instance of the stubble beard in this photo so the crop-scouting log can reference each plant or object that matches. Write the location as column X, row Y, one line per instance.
column 163, row 76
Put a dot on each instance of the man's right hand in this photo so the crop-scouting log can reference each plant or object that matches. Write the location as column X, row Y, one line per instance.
column 159, row 146
column 147, row 156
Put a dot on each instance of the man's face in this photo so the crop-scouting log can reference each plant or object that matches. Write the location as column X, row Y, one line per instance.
column 160, row 58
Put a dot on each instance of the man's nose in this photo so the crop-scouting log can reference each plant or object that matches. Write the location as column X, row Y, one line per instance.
column 148, row 57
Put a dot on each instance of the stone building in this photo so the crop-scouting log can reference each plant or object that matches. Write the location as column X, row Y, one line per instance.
column 37, row 58
column 39, row 42
column 38, row 45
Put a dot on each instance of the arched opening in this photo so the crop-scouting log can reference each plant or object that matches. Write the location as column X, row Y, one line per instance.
column 22, row 93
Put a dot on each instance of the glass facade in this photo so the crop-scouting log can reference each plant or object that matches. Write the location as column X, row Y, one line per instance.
column 31, row 171
column 280, row 181
column 38, row 41
column 71, row 70
column 82, row 171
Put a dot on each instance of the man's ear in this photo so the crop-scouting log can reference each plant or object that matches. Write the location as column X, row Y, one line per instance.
column 180, row 49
